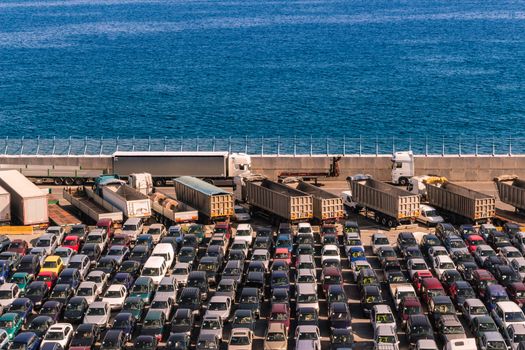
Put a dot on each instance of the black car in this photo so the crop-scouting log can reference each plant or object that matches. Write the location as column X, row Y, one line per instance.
column 443, row 230
column 450, row 276
column 491, row 262
column 125, row 322
column 236, row 254
column 396, row 276
column 140, row 254
column 506, row 275
column 187, row 255
column 466, row 269
column 257, row 280
column 93, row 252
column 243, row 319
column 497, row 240
column 370, row 296
column 199, row 279
column 280, row 265
column 145, row 342
column 75, row 309
column 107, row 265
column 183, row 321
column 264, row 232
column 429, row 241
column 178, row 341
column 114, row 339
column 339, row 315
column 85, row 336
column 461, row 256
column 280, row 295
column 406, row 239
column 62, row 293
column 52, row 309
column 440, row 305
column 189, row 298
column 307, row 316
column 216, row 252
column 418, row 327
column 255, row 266
column 305, row 249
column 4, row 242
column 37, row 291
column 210, row 265
column 336, row 293
column 131, row 267
column 341, row 339
column 190, row 240
column 30, row 264
column 70, row 276
column 250, row 299
column 40, row 324
column 411, row 252
column 263, row 243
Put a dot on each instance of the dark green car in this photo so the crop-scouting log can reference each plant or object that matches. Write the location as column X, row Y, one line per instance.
column 22, row 280
column 144, row 288
column 197, row 230
column 11, row 323
column 135, row 306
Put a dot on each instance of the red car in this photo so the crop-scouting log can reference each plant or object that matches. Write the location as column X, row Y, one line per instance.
column 331, row 275
column 223, row 227
column 106, row 224
column 418, row 277
column 283, row 254
column 481, row 279
column 47, row 276
column 431, row 287
column 516, row 292
column 18, row 246
column 409, row 306
column 280, row 314
column 473, row 241
column 72, row 242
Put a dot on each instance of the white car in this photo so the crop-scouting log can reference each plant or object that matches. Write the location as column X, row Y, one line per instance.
column 358, row 265
column 518, row 265
column 167, row 288
column 89, row 291
column 429, row 216
column 436, row 251
column 516, row 334
column 382, row 315
column 306, row 336
column 98, row 313
column 379, row 240
column 348, row 202
column 157, row 232
column 8, row 293
column 65, row 254
column 47, row 242
column 181, row 272
column 99, row 278
column 306, row 276
column 262, row 255
column 330, row 251
column 506, row 313
column 414, row 265
column 386, row 334
column 509, row 254
column 80, row 262
column 60, row 333
column 441, row 264
column 244, row 232
column 219, row 306
column 115, row 296
column 57, row 231
column 241, row 214
column 98, row 236
column 240, row 339
column 305, row 228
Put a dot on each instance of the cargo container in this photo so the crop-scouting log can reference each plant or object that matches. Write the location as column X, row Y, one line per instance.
column 28, row 202
column 276, row 201
column 327, row 206
column 5, row 206
column 459, row 204
column 169, row 211
column 213, row 203
column 131, row 202
column 61, row 217
column 390, row 205
column 91, row 204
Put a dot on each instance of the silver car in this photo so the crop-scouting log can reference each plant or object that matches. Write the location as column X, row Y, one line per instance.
column 98, row 313
column 212, row 325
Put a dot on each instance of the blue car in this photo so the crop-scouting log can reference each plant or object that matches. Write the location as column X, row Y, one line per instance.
column 26, row 341
column 494, row 294
column 356, row 254
column 279, row 279
column 21, row 306
column 467, row 230
column 71, row 277
column 5, row 270
column 125, row 322
column 124, row 278
column 284, row 240
column 144, row 239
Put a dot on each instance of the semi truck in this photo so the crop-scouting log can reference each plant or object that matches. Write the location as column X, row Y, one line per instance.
column 511, row 190
column 91, row 205
column 61, row 217
column 402, row 167
column 275, row 201
column 389, row 205
column 327, row 207
column 218, row 168
column 459, row 204
column 170, row 211
column 131, row 202
column 213, row 203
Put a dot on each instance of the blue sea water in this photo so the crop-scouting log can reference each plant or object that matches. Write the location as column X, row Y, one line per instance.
column 262, row 68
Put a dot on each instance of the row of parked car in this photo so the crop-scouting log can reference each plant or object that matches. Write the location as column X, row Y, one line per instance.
column 474, row 274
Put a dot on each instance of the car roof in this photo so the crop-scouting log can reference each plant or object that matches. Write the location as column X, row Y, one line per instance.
column 219, row 299
column 276, row 327
column 493, row 336
column 98, row 304
column 432, row 282
column 382, row 309
column 508, row 306
column 384, row 329
column 419, row 319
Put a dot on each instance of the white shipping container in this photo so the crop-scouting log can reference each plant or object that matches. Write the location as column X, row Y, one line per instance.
column 28, row 203
column 5, row 205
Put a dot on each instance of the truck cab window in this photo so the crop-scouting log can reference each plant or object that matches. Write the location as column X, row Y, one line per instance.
column 399, row 165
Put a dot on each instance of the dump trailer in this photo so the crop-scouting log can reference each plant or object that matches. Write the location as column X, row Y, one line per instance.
column 327, row 206
column 459, row 204
column 91, row 205
column 131, row 202
column 511, row 190
column 389, row 205
column 277, row 202
column 213, row 203
column 169, row 211
column 61, row 217
column 28, row 202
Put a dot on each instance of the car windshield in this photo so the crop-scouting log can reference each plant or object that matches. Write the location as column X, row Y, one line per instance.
column 384, row 318
column 306, row 316
column 518, row 338
column 224, row 288
column 96, row 311
column 154, row 231
column 186, row 252
column 275, row 336
column 457, row 244
column 278, row 316
column 113, row 294
column 62, row 253
column 150, row 271
column 307, row 265
column 248, row 299
column 50, row 264
column 166, row 288
column 131, row 305
column 210, row 324
column 411, row 310
column 306, row 279
column 447, row 266
column 307, row 298
column 478, row 310
column 218, row 306
column 389, row 339
column 95, row 279
column 419, row 266
column 514, row 316
column 332, row 279
column 453, row 330
column 94, row 239
column 156, row 322
column 488, row 252
column 307, row 336
column 203, row 344
column 444, row 308
column 6, row 324
column 48, row 310
column 206, row 267
column 140, row 288
column 43, row 243
column 180, row 271
column 85, row 292
column 54, row 336
column 143, row 344
column 34, row 292
column 487, row 326
column 75, row 307
column 17, row 346
column 129, row 227
column 6, row 294
column 496, row 345
column 159, row 304
column 280, row 281
column 239, row 340
column 381, row 241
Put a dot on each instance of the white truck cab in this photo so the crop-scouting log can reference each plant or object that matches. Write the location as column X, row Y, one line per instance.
column 239, row 164
column 402, row 167
column 142, row 182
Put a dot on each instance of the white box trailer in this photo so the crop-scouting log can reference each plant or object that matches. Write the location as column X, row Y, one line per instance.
column 131, row 202
column 28, row 202
column 5, row 205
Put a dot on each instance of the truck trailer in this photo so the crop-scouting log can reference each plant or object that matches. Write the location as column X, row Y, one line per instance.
column 91, row 205
column 28, row 202
column 511, row 190
column 389, row 205
column 170, row 211
column 276, row 201
column 131, row 202
column 213, row 203
column 459, row 204
column 327, row 206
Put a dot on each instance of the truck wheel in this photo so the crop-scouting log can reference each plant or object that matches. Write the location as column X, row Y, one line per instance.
column 69, row 181
column 58, row 181
column 377, row 218
column 159, row 182
column 403, row 181
column 391, row 223
column 79, row 181
column 383, row 221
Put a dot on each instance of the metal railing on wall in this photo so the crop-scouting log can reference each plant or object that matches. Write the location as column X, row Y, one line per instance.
column 275, row 146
